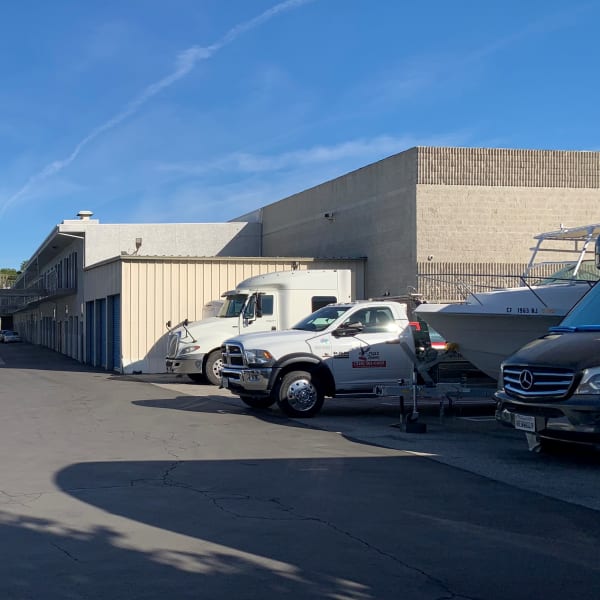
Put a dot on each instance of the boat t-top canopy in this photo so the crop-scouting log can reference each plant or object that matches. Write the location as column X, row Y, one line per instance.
column 581, row 237
column 575, row 234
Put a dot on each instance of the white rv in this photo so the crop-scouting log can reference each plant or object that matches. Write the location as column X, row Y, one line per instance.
column 268, row 302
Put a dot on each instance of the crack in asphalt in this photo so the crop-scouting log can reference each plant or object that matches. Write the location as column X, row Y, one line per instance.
column 214, row 499
column 64, row 551
column 14, row 498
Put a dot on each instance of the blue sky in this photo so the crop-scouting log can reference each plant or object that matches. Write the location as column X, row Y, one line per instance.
column 202, row 110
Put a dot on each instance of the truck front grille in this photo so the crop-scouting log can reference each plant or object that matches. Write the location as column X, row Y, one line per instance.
column 232, row 355
column 534, row 383
column 173, row 344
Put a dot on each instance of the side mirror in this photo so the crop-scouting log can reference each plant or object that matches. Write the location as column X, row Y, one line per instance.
column 348, row 329
column 185, row 322
column 258, row 306
column 249, row 313
column 168, row 324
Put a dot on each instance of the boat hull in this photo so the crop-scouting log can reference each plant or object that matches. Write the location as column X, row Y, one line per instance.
column 485, row 340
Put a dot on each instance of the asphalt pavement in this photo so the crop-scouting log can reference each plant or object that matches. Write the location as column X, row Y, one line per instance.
column 144, row 487
column 459, row 432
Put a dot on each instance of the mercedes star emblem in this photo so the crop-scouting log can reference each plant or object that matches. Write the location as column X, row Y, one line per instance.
column 526, row 379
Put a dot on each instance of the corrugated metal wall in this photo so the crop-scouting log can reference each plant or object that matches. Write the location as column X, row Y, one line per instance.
column 156, row 290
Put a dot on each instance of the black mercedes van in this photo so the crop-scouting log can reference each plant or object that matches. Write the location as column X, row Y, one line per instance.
column 550, row 388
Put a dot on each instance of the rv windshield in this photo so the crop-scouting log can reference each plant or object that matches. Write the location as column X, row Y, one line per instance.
column 321, row 319
column 233, row 305
column 585, row 313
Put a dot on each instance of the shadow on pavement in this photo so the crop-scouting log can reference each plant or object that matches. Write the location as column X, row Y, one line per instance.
column 335, row 527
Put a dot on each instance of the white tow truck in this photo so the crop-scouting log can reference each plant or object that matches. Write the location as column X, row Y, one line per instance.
column 349, row 347
column 268, row 302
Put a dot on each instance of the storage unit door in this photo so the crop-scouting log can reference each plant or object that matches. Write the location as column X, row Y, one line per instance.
column 101, row 333
column 114, row 308
column 89, row 333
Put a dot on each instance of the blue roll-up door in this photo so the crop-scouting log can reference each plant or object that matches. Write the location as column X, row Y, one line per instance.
column 114, row 313
column 101, row 333
column 89, row 333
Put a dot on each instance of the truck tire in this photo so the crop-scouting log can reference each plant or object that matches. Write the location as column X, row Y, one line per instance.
column 258, row 402
column 213, row 367
column 299, row 394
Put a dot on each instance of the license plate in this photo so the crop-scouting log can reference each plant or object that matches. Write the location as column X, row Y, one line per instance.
column 224, row 382
column 525, row 422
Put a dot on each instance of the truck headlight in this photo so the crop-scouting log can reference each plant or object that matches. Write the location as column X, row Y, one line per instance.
column 590, row 382
column 188, row 350
column 259, row 358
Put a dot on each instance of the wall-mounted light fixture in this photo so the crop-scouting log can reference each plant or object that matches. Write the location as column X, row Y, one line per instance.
column 329, row 215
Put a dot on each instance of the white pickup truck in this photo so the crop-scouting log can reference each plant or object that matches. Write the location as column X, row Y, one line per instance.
column 341, row 348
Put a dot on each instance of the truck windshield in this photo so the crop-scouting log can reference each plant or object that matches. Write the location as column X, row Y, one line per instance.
column 586, row 312
column 321, row 319
column 233, row 305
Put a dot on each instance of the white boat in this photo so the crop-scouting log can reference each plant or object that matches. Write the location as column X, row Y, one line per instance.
column 489, row 326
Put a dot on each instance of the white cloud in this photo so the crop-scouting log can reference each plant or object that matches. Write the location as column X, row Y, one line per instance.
column 263, row 179
column 360, row 151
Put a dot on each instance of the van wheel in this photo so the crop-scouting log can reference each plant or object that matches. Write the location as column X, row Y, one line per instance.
column 258, row 402
column 299, row 394
column 213, row 367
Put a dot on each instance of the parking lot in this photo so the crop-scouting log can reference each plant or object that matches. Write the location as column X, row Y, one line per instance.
column 461, row 434
column 147, row 486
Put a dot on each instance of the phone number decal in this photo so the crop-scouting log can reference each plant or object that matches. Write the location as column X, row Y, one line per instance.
column 368, row 364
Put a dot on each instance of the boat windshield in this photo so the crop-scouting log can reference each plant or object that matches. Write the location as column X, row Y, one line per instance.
column 584, row 315
column 232, row 306
column 587, row 272
column 321, row 319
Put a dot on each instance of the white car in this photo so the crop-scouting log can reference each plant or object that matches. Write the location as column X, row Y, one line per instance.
column 11, row 336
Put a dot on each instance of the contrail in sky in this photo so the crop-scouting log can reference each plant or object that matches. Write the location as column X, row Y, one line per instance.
column 186, row 61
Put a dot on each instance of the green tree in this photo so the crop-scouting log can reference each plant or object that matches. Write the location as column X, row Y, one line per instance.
column 7, row 277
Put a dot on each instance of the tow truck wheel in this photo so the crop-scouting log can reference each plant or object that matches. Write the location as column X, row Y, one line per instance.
column 258, row 402
column 299, row 394
column 213, row 367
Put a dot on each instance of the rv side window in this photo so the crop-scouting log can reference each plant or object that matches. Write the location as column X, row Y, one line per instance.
column 266, row 304
column 318, row 302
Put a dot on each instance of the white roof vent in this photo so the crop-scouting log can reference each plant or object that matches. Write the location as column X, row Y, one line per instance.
column 85, row 215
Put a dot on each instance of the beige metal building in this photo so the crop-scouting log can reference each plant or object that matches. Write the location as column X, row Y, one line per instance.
column 102, row 293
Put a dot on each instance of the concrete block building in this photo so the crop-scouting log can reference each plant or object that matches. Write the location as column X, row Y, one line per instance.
column 430, row 211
